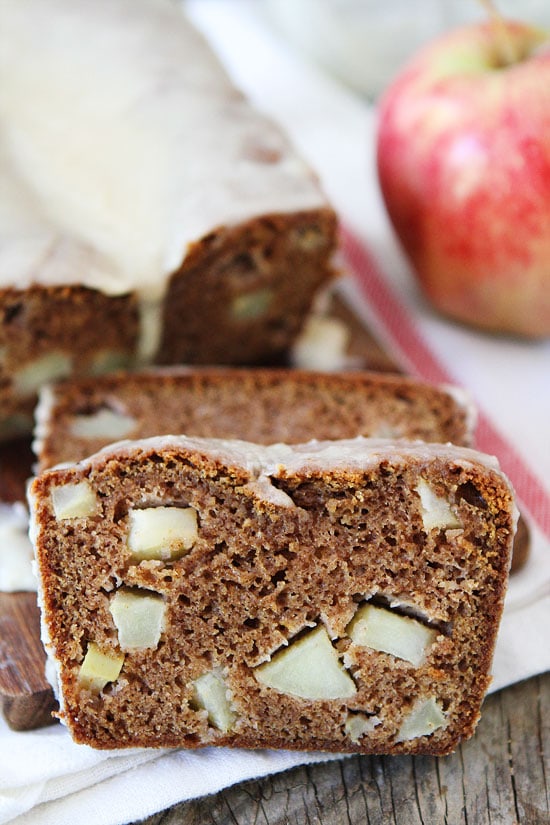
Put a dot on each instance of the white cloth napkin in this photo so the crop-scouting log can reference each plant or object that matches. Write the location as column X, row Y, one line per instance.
column 44, row 777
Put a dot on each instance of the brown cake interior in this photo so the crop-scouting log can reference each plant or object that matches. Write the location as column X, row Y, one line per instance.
column 274, row 557
column 243, row 293
column 261, row 405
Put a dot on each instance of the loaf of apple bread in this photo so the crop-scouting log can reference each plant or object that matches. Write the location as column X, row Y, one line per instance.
column 77, row 417
column 149, row 213
column 342, row 596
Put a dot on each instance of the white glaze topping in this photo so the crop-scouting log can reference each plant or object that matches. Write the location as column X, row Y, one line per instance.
column 122, row 142
column 16, row 553
column 353, row 454
column 42, row 415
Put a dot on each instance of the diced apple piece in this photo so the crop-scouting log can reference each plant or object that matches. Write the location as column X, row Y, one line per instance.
column 389, row 632
column 251, row 305
column 309, row 238
column 74, row 500
column 28, row 380
column 109, row 361
column 436, row 511
column 99, row 668
column 425, row 717
column 210, row 693
column 358, row 724
column 162, row 532
column 308, row 668
column 321, row 345
column 139, row 618
column 104, row 423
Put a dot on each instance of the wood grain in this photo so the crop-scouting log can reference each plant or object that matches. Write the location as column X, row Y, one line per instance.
column 499, row 777
column 27, row 698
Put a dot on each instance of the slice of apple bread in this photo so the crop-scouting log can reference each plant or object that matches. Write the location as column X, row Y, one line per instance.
column 78, row 417
column 340, row 595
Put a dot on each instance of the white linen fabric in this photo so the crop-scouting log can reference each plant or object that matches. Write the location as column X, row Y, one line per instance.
column 44, row 777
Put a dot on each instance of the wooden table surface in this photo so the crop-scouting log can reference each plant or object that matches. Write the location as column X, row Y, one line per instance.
column 499, row 777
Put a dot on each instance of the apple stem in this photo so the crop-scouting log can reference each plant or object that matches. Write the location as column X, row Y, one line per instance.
column 507, row 50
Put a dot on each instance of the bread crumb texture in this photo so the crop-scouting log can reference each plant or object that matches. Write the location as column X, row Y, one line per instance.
column 196, row 597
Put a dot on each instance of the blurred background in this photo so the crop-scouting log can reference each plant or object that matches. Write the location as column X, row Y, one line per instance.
column 364, row 42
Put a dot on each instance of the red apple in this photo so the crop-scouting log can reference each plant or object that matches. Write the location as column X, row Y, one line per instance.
column 463, row 152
